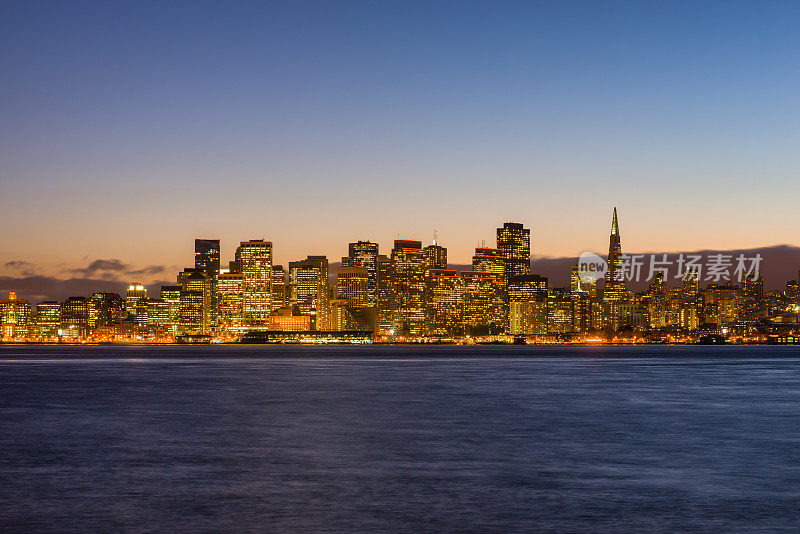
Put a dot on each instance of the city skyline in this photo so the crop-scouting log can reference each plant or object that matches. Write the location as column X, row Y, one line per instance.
column 308, row 126
column 412, row 293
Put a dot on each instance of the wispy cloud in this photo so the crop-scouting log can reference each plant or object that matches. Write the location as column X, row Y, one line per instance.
column 113, row 267
column 23, row 267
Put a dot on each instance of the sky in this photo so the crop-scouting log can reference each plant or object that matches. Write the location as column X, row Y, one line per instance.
column 129, row 129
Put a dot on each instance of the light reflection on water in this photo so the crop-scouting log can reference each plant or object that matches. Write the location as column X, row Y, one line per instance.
column 342, row 439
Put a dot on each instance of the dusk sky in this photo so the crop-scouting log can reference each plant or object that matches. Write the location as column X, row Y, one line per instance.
column 129, row 130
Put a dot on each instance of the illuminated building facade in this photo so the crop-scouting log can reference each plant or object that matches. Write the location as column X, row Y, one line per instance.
column 15, row 317
column 171, row 295
column 75, row 317
column 352, row 285
column 436, row 256
column 514, row 242
column 230, row 310
column 484, row 308
column 527, row 300
column 195, row 320
column 135, row 299
column 47, row 319
column 309, row 289
column 444, row 303
column 721, row 305
column 278, row 287
column 206, row 260
column 365, row 254
column 106, row 309
column 384, row 270
column 254, row 258
column 615, row 294
column 407, row 287
column 490, row 261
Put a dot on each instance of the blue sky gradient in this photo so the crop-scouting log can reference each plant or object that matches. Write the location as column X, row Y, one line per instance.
column 130, row 129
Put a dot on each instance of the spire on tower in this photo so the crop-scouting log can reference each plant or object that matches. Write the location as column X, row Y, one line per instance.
column 614, row 224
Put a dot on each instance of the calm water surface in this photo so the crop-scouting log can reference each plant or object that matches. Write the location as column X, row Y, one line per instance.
column 399, row 439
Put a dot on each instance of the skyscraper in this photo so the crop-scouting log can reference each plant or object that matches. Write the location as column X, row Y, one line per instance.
column 278, row 287
column 230, row 304
column 47, row 319
column 614, row 291
column 484, row 306
column 105, row 309
column 490, row 261
column 171, row 295
column 135, row 299
column 514, row 241
column 408, row 287
column 309, row 289
column 436, row 256
column 351, row 285
column 254, row 258
column 206, row 259
column 365, row 254
column 444, row 303
column 527, row 296
column 15, row 317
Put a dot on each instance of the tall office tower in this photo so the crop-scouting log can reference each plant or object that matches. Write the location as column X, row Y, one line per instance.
column 191, row 313
column 75, row 317
column 436, row 256
column 351, row 310
column 721, row 305
column 206, row 259
column 351, row 286
column 614, row 292
column 753, row 307
column 514, row 241
column 384, row 275
column 444, row 302
column 135, row 299
column 657, row 302
column 195, row 305
column 171, row 295
column 490, row 261
column 527, row 295
column 674, row 303
column 47, row 319
column 560, row 312
column 230, row 304
column 484, row 305
column 792, row 292
column 577, row 284
column 690, row 301
column 310, row 289
column 278, row 287
column 365, row 254
column 254, row 258
column 15, row 317
column 584, row 300
column 408, row 287
column 105, row 309
column 158, row 320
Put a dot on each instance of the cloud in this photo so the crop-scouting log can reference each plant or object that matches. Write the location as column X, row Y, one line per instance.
column 109, row 268
column 24, row 267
